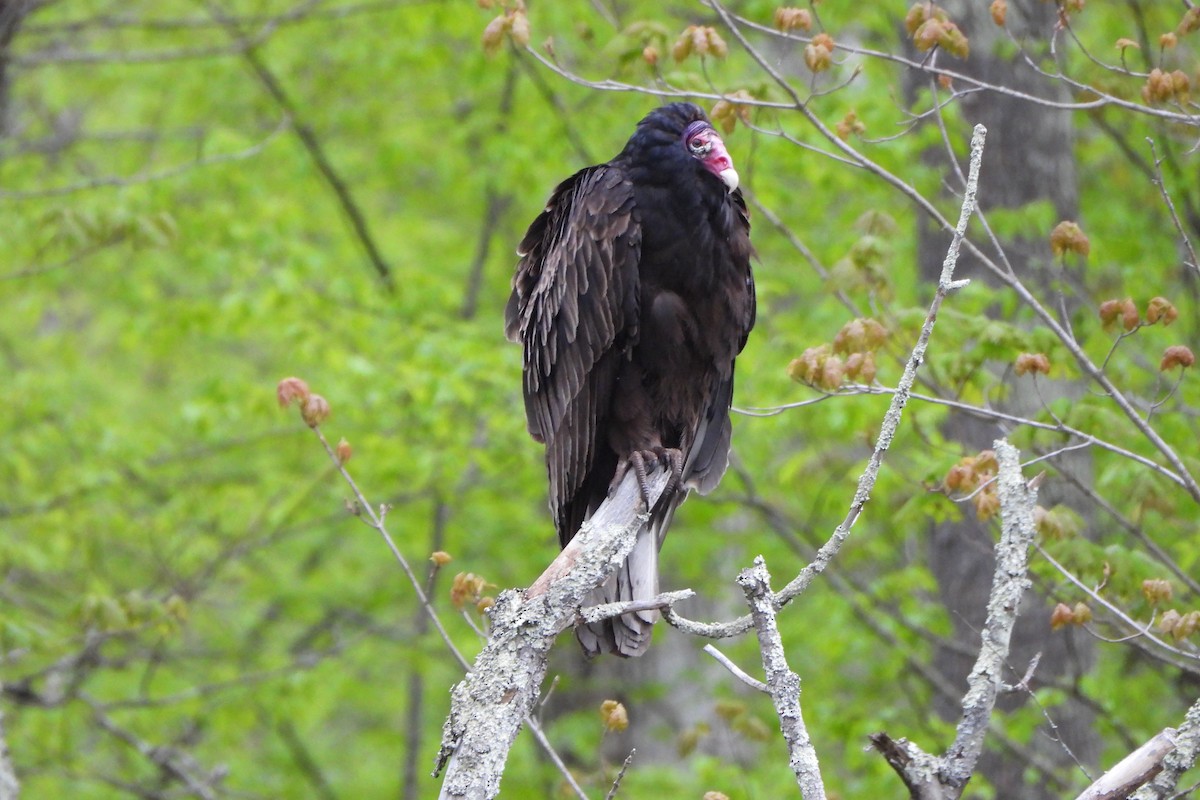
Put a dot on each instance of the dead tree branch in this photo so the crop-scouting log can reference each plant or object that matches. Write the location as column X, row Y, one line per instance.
column 1132, row 771
column 489, row 706
column 1178, row 761
column 931, row 778
column 782, row 683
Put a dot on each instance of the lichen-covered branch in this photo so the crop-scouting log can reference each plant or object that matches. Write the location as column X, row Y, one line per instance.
column 489, row 706
column 10, row 789
column 1178, row 761
column 1009, row 582
column 944, row 778
column 1132, row 771
column 782, row 683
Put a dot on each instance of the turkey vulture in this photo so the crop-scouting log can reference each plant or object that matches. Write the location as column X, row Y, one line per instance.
column 632, row 298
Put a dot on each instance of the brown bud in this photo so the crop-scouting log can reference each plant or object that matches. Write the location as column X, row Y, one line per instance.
column 484, row 604
column 1157, row 590
column 1123, row 43
column 1168, row 621
column 999, row 10
column 1032, row 362
column 1110, row 310
column 315, row 410
column 789, row 19
column 866, row 374
column 1129, row 317
column 1177, row 355
column 727, row 112
column 917, row 15
column 519, row 28
column 987, row 503
column 716, row 44
column 833, row 372
column 1159, row 87
column 493, row 34
column 1180, row 85
column 807, row 368
column 850, row 124
column 715, row 796
column 818, row 57
column 290, row 390
column 1081, row 614
column 650, row 55
column 1168, row 41
column 1190, row 21
column 1188, row 624
column 440, row 558
column 683, row 46
column 960, row 478
column 1062, row 615
column 1160, row 308
column 929, row 34
column 344, row 451
column 954, row 41
column 986, row 462
column 466, row 587
column 1068, row 237
column 614, row 716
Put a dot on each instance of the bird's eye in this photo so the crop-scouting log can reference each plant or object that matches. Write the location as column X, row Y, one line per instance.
column 699, row 146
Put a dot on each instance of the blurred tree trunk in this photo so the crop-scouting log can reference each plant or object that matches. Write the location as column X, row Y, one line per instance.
column 1029, row 159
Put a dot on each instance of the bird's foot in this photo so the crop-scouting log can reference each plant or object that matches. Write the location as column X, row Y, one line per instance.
column 642, row 462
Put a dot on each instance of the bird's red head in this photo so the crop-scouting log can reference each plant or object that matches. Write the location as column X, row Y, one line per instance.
column 703, row 143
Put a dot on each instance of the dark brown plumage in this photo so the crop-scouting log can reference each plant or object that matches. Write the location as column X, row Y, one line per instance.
column 632, row 299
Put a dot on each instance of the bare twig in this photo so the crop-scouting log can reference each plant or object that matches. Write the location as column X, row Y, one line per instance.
column 612, row 793
column 735, row 670
column 610, row 610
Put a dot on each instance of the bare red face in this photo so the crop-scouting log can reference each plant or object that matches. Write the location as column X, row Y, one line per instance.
column 703, row 143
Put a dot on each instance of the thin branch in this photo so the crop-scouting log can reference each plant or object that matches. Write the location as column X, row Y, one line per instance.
column 612, row 793
column 735, row 670
column 610, row 610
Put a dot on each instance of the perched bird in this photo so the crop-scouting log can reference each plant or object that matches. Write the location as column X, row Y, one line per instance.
column 632, row 298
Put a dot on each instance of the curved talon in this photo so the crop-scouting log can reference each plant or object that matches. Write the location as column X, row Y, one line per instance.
column 641, row 460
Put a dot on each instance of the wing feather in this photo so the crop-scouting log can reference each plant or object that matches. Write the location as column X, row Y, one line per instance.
column 574, row 308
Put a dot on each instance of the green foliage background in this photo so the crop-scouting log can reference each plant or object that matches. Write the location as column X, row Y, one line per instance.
column 173, row 537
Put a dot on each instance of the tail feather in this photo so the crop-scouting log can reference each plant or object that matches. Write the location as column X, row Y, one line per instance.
column 637, row 579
